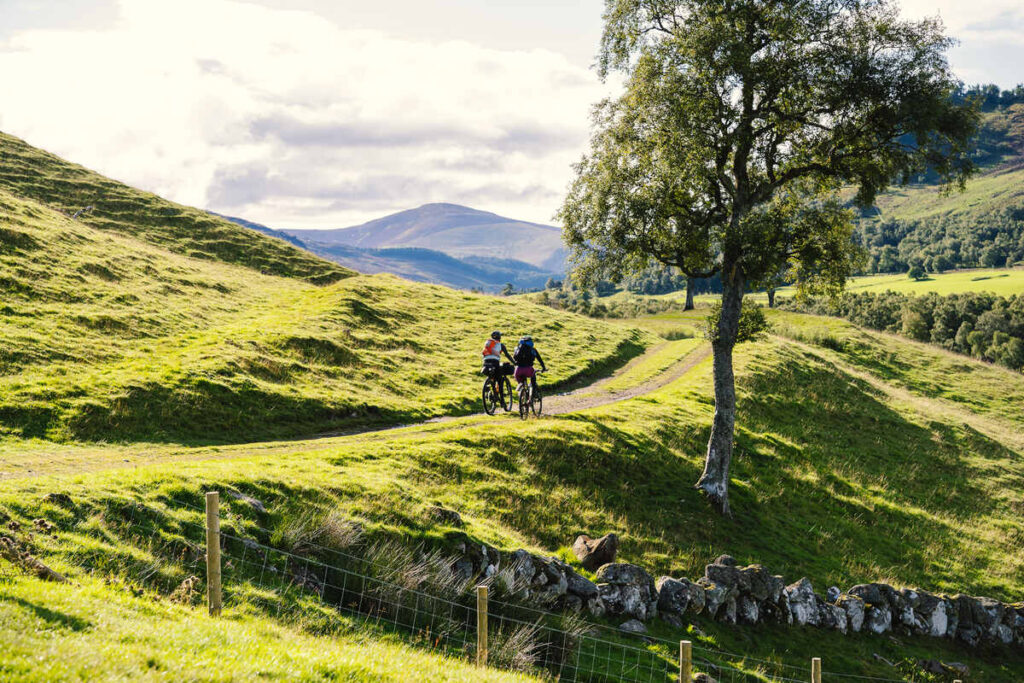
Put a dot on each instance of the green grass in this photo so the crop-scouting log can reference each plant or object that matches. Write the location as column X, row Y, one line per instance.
column 69, row 189
column 859, row 456
column 835, row 478
column 92, row 631
column 999, row 281
column 121, row 339
column 989, row 191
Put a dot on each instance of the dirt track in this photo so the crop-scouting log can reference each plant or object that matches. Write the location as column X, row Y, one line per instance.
column 77, row 459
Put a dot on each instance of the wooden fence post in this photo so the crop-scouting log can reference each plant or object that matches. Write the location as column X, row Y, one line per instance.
column 481, row 625
column 816, row 670
column 685, row 661
column 213, row 553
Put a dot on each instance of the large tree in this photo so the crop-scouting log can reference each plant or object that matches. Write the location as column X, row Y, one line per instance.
column 739, row 122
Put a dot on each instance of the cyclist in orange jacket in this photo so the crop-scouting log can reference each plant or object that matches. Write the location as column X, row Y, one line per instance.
column 493, row 351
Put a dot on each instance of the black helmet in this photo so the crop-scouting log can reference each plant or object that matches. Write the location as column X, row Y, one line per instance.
column 496, row 335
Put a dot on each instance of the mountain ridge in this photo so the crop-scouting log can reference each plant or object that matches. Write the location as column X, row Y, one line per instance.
column 455, row 230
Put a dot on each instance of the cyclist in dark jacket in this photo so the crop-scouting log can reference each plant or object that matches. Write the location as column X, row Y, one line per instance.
column 524, row 357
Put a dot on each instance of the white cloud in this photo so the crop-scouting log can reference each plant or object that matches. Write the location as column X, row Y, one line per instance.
column 286, row 118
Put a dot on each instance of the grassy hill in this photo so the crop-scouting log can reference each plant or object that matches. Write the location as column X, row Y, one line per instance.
column 28, row 173
column 197, row 329
column 142, row 367
column 860, row 457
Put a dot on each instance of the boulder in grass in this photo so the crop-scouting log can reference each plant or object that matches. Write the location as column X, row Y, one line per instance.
column 633, row 626
column 592, row 553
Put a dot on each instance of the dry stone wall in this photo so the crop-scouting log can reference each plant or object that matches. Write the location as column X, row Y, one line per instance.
column 745, row 595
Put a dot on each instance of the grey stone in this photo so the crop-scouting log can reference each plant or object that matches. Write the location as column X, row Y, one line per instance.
column 249, row 500
column 725, row 575
column 878, row 618
column 626, row 589
column 592, row 553
column 671, row 619
column 853, row 606
column 673, row 595
column 832, row 594
column 803, row 603
column 747, row 611
column 726, row 560
column 581, row 586
column 633, row 626
column 573, row 603
column 595, row 606
column 715, row 595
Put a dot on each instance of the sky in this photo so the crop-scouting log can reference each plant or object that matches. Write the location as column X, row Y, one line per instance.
column 328, row 113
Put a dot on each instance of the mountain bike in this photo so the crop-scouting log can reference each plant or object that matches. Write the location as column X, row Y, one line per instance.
column 492, row 394
column 530, row 399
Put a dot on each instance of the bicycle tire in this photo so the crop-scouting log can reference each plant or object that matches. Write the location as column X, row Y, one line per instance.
column 509, row 394
column 489, row 397
column 524, row 398
column 536, row 402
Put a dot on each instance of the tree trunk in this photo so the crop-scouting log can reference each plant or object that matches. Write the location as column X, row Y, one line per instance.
column 771, row 297
column 690, row 281
column 715, row 480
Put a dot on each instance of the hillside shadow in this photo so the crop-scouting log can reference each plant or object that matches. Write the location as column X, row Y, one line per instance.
column 828, row 482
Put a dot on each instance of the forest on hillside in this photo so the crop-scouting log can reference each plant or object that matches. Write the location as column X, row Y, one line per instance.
column 978, row 324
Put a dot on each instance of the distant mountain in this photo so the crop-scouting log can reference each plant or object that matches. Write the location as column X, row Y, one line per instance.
column 421, row 265
column 455, row 230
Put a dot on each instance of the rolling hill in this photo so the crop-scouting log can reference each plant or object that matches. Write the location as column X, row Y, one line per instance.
column 145, row 364
column 143, row 320
column 455, row 230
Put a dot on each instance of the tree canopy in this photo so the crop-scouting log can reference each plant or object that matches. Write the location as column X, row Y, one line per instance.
column 738, row 123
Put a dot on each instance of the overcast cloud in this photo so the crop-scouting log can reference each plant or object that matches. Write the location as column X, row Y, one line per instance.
column 316, row 117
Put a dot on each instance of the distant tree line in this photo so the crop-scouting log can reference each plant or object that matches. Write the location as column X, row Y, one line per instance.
column 980, row 325
column 991, row 240
column 990, row 96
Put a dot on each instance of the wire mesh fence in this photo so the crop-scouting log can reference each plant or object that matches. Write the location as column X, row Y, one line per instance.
column 426, row 604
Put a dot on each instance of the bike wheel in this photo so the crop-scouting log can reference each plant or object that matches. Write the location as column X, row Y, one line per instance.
column 536, row 402
column 509, row 394
column 490, row 397
column 524, row 400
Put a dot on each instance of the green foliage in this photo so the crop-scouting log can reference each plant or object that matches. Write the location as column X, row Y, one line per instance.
column 752, row 325
column 981, row 325
column 916, row 272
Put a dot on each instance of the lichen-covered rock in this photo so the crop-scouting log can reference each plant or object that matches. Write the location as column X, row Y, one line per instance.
column 580, row 585
column 673, row 595
column 715, row 595
column 697, row 598
column 626, row 589
column 722, row 574
column 803, row 603
column 930, row 611
column 747, row 610
column 831, row 616
column 594, row 552
column 853, row 607
column 832, row 594
column 878, row 618
column 760, row 584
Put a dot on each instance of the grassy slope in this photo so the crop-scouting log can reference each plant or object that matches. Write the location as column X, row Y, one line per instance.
column 32, row 174
column 90, row 632
column 119, row 338
column 990, row 191
column 883, row 460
